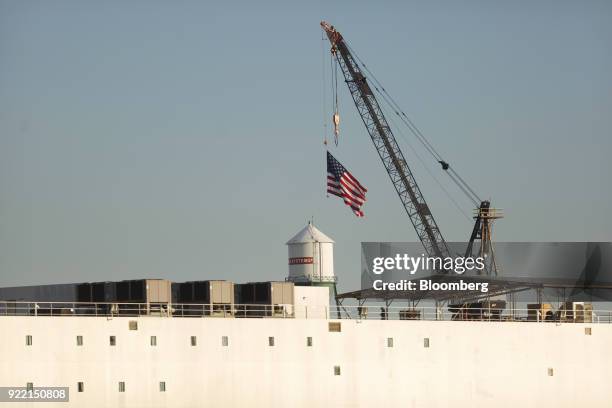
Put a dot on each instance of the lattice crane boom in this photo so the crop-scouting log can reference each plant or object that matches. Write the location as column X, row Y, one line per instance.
column 386, row 145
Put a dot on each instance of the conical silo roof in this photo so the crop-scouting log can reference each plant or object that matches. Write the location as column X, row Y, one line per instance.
column 309, row 234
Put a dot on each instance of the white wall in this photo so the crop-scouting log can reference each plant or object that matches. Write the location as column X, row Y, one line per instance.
column 311, row 302
column 469, row 364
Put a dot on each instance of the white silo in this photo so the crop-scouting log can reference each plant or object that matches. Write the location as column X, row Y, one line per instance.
column 311, row 262
column 311, row 257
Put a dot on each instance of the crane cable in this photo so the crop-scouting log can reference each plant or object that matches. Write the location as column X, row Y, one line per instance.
column 418, row 156
column 323, row 55
column 454, row 176
column 336, row 114
column 412, row 148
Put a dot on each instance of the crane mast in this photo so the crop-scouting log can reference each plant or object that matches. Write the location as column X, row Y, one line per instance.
column 386, row 145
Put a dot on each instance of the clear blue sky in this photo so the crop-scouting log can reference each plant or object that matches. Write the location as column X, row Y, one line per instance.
column 183, row 139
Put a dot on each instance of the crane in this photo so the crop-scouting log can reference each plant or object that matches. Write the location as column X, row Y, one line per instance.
column 393, row 159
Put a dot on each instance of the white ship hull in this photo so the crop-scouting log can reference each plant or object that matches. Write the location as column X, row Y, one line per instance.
column 467, row 364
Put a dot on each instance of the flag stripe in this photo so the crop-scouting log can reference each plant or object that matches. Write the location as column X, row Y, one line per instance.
column 351, row 192
column 334, row 192
column 356, row 200
column 348, row 186
column 356, row 183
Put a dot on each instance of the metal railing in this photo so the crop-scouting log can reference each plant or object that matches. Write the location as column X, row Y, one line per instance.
column 369, row 312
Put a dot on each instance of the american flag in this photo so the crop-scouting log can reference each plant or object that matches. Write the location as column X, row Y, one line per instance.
column 340, row 182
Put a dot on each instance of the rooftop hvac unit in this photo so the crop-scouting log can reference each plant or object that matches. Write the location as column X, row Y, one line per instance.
column 84, row 292
column 123, row 291
column 214, row 291
column 537, row 312
column 281, row 293
column 200, row 298
column 103, row 291
column 576, row 312
column 278, row 293
column 143, row 291
column 96, row 292
column 221, row 292
column 264, row 299
column 483, row 310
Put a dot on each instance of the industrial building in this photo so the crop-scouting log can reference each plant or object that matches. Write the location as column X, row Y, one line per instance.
column 157, row 343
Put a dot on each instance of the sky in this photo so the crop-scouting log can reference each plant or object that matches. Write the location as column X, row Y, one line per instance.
column 183, row 140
